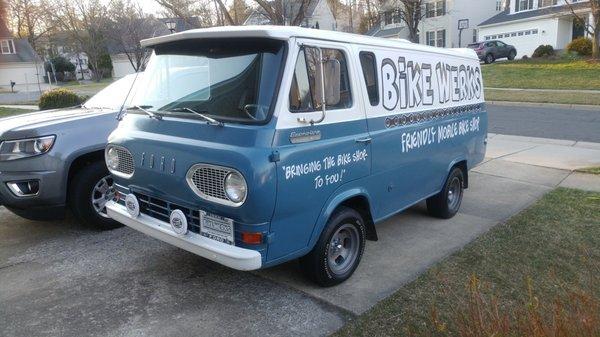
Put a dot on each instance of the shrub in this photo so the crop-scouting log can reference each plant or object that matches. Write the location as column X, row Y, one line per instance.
column 59, row 98
column 62, row 66
column 581, row 46
column 105, row 67
column 544, row 51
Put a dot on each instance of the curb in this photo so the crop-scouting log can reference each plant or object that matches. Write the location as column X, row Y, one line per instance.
column 546, row 105
column 583, row 91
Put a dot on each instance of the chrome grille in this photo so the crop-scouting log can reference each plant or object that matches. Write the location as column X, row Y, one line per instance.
column 126, row 165
column 210, row 180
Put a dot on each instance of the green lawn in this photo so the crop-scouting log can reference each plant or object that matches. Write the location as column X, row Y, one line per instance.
column 10, row 111
column 543, row 264
column 590, row 170
column 542, row 97
column 543, row 74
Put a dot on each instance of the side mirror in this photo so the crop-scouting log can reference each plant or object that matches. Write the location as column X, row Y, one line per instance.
column 332, row 79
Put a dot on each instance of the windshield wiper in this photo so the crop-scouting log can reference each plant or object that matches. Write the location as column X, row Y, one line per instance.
column 143, row 109
column 209, row 120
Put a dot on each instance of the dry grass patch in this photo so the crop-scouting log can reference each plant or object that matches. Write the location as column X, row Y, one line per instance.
column 536, row 275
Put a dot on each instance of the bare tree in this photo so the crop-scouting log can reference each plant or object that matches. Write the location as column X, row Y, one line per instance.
column 30, row 20
column 412, row 13
column 593, row 26
column 194, row 13
column 85, row 22
column 130, row 25
column 281, row 12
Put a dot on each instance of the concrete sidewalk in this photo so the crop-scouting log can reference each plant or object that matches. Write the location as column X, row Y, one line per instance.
column 553, row 153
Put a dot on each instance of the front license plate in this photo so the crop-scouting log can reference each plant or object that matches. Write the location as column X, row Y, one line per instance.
column 216, row 227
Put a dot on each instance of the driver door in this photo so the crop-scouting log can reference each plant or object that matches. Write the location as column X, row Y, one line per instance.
column 319, row 151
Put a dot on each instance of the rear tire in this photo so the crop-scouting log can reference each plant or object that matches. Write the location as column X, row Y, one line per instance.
column 446, row 204
column 339, row 250
column 88, row 184
column 512, row 55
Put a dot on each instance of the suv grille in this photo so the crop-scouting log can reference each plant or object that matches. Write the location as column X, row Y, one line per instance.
column 126, row 165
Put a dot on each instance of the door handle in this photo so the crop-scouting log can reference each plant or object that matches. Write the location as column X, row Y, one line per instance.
column 366, row 140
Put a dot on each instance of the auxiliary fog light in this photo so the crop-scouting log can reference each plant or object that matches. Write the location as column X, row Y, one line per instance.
column 133, row 206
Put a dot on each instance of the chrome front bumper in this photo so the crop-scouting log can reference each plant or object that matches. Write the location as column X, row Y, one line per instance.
column 230, row 256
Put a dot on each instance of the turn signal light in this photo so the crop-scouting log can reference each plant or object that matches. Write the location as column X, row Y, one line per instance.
column 252, row 238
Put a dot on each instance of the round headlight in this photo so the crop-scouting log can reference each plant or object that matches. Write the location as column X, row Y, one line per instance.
column 235, row 187
column 112, row 158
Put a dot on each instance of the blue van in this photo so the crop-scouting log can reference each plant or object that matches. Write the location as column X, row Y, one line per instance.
column 253, row 146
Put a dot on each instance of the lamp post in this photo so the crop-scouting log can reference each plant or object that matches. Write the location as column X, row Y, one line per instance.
column 171, row 26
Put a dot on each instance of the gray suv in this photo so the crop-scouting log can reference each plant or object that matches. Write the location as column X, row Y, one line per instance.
column 490, row 51
column 53, row 160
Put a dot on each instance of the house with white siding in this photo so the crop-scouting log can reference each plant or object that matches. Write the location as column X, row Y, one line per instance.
column 439, row 25
column 19, row 63
column 317, row 15
column 527, row 24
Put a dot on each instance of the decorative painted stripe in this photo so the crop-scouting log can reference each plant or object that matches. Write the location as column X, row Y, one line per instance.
column 428, row 115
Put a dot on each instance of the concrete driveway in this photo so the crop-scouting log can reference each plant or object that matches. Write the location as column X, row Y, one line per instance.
column 62, row 279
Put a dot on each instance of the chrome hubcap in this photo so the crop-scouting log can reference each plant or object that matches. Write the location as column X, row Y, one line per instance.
column 454, row 193
column 103, row 192
column 343, row 249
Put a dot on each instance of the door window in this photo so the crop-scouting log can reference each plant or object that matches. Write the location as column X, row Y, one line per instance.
column 369, row 70
column 304, row 95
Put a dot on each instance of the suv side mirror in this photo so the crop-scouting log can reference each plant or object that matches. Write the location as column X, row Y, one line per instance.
column 332, row 80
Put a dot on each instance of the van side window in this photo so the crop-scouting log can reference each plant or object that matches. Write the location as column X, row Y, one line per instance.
column 303, row 93
column 369, row 69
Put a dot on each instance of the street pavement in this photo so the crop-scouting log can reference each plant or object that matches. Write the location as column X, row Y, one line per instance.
column 59, row 278
column 547, row 121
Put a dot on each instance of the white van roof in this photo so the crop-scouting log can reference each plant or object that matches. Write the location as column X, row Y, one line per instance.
column 287, row 32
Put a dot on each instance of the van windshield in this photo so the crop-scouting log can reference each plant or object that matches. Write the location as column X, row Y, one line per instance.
column 231, row 80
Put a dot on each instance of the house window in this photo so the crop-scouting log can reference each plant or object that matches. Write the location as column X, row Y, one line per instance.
column 7, row 46
column 369, row 69
column 547, row 3
column 388, row 18
column 499, row 5
column 436, row 8
column 441, row 38
column 474, row 35
column 430, row 37
column 523, row 5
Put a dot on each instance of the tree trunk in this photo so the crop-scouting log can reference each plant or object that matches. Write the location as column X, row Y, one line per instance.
column 596, row 47
column 596, row 43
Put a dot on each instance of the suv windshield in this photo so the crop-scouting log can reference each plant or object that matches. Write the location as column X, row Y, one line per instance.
column 225, row 79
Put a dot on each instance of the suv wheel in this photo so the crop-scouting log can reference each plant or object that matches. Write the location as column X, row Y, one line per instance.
column 512, row 55
column 89, row 190
column 489, row 58
column 339, row 250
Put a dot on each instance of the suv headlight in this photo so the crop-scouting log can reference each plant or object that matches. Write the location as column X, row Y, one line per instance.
column 235, row 187
column 23, row 148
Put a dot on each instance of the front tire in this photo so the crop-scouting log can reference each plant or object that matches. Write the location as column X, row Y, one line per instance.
column 489, row 58
column 339, row 250
column 446, row 204
column 89, row 190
